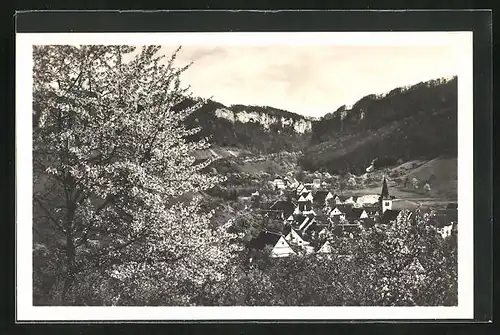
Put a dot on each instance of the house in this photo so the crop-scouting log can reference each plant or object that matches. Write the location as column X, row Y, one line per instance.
column 338, row 199
column 317, row 231
column 325, row 248
column 339, row 211
column 321, row 198
column 279, row 183
column 445, row 221
column 300, row 188
column 336, row 212
column 303, row 222
column 303, row 207
column 284, row 207
column 316, row 183
column 355, row 214
column 291, row 182
column 303, row 188
column 389, row 216
column 278, row 244
column 371, row 210
column 306, row 196
column 294, row 237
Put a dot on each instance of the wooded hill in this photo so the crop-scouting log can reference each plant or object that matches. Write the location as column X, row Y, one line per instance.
column 417, row 122
column 408, row 123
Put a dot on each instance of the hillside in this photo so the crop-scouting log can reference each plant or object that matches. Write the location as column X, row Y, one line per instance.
column 258, row 129
column 441, row 175
column 416, row 122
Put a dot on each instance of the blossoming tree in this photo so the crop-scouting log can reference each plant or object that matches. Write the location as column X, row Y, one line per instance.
column 116, row 184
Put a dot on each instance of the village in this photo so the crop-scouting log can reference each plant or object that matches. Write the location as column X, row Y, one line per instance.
column 308, row 215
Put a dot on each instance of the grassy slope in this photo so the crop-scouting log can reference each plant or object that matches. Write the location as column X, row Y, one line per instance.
column 443, row 174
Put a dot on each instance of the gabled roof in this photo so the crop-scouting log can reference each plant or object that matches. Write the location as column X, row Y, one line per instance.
column 320, row 212
column 353, row 213
column 389, row 215
column 385, row 190
column 302, row 221
column 285, row 206
column 288, row 229
column 324, row 247
column 343, row 197
column 320, row 196
column 265, row 238
column 343, row 208
column 299, row 218
column 317, row 226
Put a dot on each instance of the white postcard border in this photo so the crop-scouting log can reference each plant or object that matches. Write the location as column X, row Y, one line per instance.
column 25, row 311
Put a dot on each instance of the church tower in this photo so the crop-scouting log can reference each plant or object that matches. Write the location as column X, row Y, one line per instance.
column 385, row 200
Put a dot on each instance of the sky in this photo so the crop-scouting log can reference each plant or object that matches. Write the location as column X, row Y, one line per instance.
column 309, row 80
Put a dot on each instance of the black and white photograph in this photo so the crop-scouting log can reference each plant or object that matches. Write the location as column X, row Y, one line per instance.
column 247, row 170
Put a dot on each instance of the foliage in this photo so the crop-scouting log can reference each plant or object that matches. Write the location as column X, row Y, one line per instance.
column 376, row 267
column 116, row 182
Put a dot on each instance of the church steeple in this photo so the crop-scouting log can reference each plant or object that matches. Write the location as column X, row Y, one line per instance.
column 384, row 199
column 385, row 190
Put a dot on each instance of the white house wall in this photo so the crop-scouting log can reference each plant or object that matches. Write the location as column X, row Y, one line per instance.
column 282, row 249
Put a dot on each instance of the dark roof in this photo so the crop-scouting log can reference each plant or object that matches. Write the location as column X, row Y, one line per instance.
column 343, row 208
column 322, row 219
column 353, row 213
column 368, row 222
column 389, row 215
column 343, row 198
column 298, row 219
column 452, row 206
column 385, row 190
column 371, row 209
column 264, row 239
column 320, row 196
column 446, row 217
column 285, row 206
column 289, row 228
column 305, row 194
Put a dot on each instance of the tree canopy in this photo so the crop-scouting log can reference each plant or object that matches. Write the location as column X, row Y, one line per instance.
column 116, row 183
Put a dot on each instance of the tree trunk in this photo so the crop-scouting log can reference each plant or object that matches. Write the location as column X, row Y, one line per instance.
column 70, row 251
